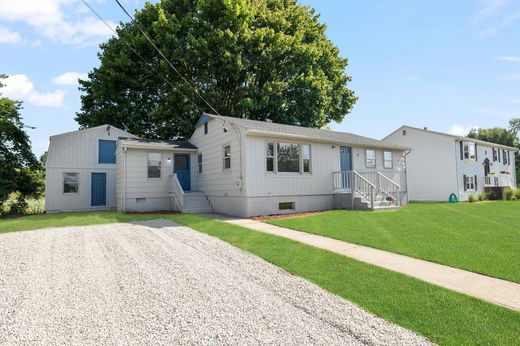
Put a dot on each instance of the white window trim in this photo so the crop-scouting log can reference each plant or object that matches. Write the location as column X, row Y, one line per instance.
column 224, row 157
column 470, row 181
column 160, row 166
column 366, row 158
column 275, row 163
column 466, row 150
column 391, row 160
column 63, row 183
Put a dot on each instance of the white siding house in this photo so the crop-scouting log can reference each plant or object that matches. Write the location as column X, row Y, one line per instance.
column 441, row 164
column 81, row 170
column 232, row 166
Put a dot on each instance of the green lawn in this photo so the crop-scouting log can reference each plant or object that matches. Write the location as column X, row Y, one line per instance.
column 443, row 316
column 480, row 237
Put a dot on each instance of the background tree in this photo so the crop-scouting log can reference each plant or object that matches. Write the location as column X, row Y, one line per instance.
column 18, row 165
column 256, row 59
column 502, row 136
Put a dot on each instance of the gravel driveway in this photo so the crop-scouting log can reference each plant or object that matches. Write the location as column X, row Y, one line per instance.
column 159, row 283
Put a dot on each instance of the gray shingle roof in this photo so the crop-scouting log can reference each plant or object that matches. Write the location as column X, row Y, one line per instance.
column 299, row 131
column 173, row 144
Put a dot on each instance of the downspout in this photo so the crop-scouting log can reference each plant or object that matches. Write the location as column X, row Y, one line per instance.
column 457, row 171
column 406, row 176
column 239, row 136
column 124, row 180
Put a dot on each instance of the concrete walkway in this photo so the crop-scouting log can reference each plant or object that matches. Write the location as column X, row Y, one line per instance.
column 496, row 291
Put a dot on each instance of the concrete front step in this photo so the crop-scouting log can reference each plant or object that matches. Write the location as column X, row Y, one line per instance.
column 197, row 202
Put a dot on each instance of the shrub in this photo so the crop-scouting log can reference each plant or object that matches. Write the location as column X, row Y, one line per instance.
column 471, row 198
column 517, row 194
column 491, row 195
column 509, row 194
column 483, row 196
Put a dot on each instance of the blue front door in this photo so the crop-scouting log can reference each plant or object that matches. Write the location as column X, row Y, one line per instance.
column 345, row 158
column 181, row 166
column 98, row 189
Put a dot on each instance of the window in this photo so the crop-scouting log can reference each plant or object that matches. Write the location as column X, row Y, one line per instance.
column 288, row 157
column 199, row 163
column 70, row 182
column 205, row 128
column 495, row 155
column 306, row 158
column 227, row 157
column 404, row 132
column 269, row 157
column 470, row 183
column 154, row 165
column 505, row 156
column 286, row 206
column 371, row 158
column 388, row 159
column 469, row 150
column 106, row 151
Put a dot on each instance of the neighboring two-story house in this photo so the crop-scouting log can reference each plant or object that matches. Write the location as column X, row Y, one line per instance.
column 441, row 164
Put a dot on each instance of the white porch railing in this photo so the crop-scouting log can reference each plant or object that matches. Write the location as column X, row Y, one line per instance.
column 176, row 190
column 501, row 180
column 369, row 184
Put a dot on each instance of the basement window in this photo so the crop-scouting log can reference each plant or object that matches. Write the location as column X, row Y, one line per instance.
column 286, row 206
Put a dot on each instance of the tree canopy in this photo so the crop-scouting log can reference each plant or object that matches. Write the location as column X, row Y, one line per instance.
column 19, row 165
column 255, row 59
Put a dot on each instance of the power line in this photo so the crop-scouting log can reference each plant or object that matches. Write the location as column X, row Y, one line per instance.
column 165, row 58
column 140, row 56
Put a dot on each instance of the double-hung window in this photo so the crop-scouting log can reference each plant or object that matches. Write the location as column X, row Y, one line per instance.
column 505, row 156
column 495, row 155
column 285, row 157
column 470, row 183
column 70, row 182
column 469, row 151
column 388, row 159
column 199, row 163
column 370, row 158
column 226, row 157
column 154, row 165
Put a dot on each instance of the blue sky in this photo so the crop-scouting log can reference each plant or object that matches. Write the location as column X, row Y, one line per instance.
column 447, row 65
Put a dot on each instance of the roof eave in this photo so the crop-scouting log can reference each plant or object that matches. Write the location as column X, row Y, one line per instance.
column 259, row 133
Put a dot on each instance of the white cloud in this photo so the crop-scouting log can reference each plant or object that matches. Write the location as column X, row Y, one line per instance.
column 459, row 130
column 508, row 58
column 19, row 87
column 489, row 8
column 58, row 20
column 8, row 36
column 69, row 78
column 511, row 76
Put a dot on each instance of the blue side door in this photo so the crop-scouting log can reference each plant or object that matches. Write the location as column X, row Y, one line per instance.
column 98, row 189
column 346, row 158
column 181, row 166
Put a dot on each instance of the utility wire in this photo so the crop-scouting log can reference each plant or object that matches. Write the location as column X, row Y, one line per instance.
column 165, row 58
column 140, row 56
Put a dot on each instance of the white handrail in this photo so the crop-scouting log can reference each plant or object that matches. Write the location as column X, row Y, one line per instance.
column 396, row 187
column 365, row 189
column 178, row 192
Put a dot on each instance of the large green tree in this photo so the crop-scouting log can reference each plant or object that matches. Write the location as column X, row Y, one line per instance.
column 256, row 59
column 502, row 136
column 18, row 165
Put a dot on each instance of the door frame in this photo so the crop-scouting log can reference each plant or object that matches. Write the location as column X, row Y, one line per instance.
column 106, row 189
column 188, row 155
column 350, row 157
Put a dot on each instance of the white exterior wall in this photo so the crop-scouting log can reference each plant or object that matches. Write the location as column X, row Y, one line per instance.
column 309, row 191
column 476, row 168
column 225, row 189
column 430, row 166
column 77, row 152
column 143, row 193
